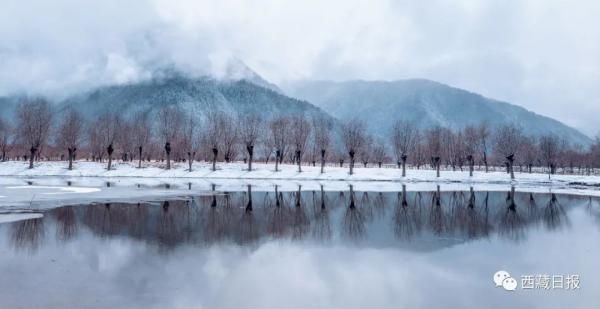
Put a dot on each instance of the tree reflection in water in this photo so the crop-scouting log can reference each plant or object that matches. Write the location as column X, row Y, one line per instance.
column 300, row 222
column 379, row 205
column 248, row 225
column 533, row 207
column 66, row 223
column 405, row 217
column 321, row 228
column 246, row 218
column 593, row 210
column 436, row 214
column 476, row 218
column 354, row 220
column 28, row 234
column 554, row 214
column 277, row 216
column 511, row 223
column 167, row 229
column 365, row 206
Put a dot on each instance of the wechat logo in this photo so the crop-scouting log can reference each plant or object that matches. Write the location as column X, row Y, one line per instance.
column 502, row 278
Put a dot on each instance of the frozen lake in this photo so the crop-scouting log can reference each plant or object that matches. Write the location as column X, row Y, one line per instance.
column 97, row 244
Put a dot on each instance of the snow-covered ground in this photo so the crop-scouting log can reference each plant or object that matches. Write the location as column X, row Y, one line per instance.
column 288, row 172
column 50, row 184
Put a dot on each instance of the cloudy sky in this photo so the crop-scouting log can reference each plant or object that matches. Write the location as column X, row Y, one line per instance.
column 541, row 54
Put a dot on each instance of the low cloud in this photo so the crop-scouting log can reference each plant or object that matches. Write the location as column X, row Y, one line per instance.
column 539, row 54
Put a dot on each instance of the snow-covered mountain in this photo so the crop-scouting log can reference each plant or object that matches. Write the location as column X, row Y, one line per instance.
column 194, row 95
column 424, row 102
column 197, row 95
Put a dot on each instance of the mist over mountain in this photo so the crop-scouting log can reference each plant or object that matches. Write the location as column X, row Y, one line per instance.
column 196, row 96
column 240, row 90
column 426, row 103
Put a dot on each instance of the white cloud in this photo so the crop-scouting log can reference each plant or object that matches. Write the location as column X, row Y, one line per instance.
column 539, row 54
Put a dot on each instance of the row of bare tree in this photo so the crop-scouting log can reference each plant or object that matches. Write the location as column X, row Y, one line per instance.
column 179, row 135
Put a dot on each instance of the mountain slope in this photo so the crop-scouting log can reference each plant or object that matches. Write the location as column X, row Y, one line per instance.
column 424, row 102
column 195, row 95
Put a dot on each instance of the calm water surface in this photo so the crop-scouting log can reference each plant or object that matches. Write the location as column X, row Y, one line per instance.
column 304, row 249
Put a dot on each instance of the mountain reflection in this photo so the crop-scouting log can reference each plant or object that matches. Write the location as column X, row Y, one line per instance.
column 246, row 218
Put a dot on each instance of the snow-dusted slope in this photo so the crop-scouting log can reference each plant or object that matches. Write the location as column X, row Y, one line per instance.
column 197, row 95
column 425, row 102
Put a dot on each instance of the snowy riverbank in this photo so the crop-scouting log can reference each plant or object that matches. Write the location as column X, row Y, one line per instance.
column 287, row 172
column 50, row 184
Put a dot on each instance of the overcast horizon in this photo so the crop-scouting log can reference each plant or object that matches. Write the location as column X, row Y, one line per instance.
column 542, row 55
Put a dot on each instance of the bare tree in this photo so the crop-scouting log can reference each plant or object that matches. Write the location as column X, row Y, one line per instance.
column 484, row 136
column 108, row 126
column 507, row 141
column 433, row 137
column 267, row 147
column 220, row 136
column 321, row 137
column 365, row 152
column 300, row 128
column 549, row 150
column 529, row 152
column 70, row 133
column 353, row 136
column 471, row 142
column 214, row 136
column 6, row 138
column 449, row 147
column 250, row 130
column 169, row 122
column 189, row 139
column 420, row 151
column 229, row 133
column 403, row 138
column 124, row 139
column 280, row 132
column 34, row 120
column 95, row 144
column 141, row 133
column 379, row 152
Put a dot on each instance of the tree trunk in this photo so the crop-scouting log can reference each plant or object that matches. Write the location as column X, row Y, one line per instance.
column 250, row 149
column 299, row 158
column 168, row 151
column 70, row 150
column 351, row 166
column 404, row 157
column 485, row 162
column 471, row 166
column 140, row 158
column 437, row 168
column 190, row 160
column 109, row 162
column 277, row 158
column 322, row 198
column 512, row 172
column 249, row 205
column 322, row 161
column 214, row 161
column 32, row 151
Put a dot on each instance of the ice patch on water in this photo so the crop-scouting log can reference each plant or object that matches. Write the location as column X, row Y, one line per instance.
column 61, row 189
column 6, row 218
